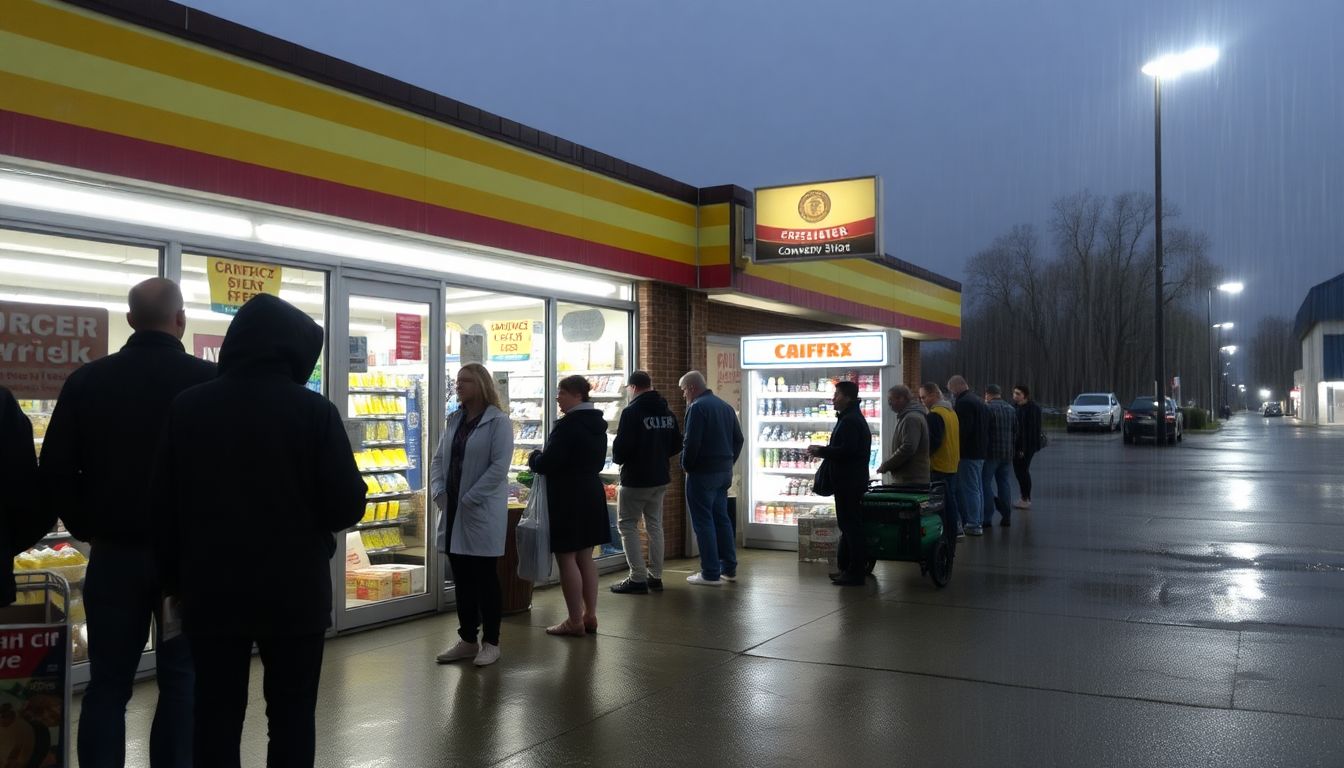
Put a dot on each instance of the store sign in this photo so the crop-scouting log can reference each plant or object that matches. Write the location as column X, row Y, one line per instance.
column 826, row 220
column 232, row 283
column 815, row 351
column 510, row 339
column 42, row 344
column 206, row 346
column 408, row 337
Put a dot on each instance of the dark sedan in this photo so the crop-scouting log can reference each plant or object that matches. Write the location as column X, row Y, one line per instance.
column 1273, row 409
column 1139, row 423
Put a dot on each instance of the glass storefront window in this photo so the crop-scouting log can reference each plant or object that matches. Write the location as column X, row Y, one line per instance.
column 594, row 342
column 506, row 334
column 62, row 303
column 388, row 402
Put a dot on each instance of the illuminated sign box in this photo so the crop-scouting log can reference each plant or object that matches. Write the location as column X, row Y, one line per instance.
column 828, row 350
column 823, row 220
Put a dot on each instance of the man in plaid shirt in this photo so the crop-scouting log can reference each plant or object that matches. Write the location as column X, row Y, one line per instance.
column 999, row 461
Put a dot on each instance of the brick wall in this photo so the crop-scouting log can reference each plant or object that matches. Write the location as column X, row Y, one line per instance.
column 673, row 325
column 910, row 368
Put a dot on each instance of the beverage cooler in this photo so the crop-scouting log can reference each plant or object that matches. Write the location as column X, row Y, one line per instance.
column 790, row 382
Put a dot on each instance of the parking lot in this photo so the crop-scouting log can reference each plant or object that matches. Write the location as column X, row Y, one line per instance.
column 1159, row 606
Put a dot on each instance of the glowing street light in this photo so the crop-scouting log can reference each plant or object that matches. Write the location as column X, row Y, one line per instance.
column 1230, row 349
column 1165, row 67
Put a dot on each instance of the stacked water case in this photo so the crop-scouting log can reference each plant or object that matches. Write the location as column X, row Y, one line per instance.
column 790, row 383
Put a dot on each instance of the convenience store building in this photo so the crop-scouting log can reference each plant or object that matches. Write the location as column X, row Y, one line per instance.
column 140, row 138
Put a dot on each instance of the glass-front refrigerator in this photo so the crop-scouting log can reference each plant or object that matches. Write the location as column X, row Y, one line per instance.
column 789, row 384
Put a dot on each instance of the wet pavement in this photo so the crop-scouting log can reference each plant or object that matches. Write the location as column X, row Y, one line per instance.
column 1175, row 606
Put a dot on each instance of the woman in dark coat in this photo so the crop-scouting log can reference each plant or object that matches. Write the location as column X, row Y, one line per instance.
column 577, row 503
column 21, row 522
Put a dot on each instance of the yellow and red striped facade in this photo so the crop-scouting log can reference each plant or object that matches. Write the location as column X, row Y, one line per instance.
column 87, row 91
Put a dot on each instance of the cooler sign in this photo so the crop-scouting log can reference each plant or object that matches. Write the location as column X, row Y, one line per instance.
column 815, row 351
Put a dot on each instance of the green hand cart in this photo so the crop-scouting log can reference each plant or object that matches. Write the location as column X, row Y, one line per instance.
column 903, row 522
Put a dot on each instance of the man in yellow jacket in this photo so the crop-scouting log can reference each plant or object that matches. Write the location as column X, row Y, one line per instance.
column 944, row 455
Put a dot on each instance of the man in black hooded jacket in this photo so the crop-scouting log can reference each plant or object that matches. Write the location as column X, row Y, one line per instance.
column 254, row 450
column 645, row 440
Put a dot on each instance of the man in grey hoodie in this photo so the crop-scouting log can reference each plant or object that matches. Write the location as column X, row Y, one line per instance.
column 908, row 463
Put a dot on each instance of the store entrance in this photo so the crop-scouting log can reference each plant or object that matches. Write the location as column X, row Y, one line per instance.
column 392, row 417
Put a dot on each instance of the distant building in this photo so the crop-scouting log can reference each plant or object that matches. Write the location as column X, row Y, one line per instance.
column 1320, row 327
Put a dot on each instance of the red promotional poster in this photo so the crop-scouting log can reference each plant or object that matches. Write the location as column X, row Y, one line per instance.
column 42, row 344
column 408, row 337
column 32, row 695
column 206, row 346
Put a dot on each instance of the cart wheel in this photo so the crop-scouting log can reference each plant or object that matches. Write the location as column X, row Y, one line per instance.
column 940, row 568
column 872, row 563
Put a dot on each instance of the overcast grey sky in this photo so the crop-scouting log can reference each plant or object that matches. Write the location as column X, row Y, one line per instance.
column 976, row 114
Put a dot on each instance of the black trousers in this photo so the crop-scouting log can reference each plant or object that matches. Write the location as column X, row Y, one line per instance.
column 1022, row 468
column 291, row 668
column 479, row 602
column 853, row 555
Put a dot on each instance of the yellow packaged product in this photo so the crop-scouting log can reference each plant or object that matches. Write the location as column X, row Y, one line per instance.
column 388, row 483
column 402, row 484
column 371, row 483
column 399, row 456
column 380, row 514
column 369, row 509
column 384, row 433
column 393, row 510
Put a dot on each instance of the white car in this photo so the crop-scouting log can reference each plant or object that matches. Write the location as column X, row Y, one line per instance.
column 1095, row 410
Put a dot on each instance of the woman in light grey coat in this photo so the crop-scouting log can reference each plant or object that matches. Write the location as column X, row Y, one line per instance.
column 469, row 480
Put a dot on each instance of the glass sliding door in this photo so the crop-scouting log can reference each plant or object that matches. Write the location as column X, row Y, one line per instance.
column 391, row 417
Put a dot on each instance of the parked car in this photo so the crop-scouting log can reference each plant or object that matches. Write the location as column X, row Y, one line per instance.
column 1272, row 409
column 1139, row 424
column 1094, row 410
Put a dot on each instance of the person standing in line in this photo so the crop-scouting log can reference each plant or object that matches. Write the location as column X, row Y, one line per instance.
column 908, row 463
column 469, row 482
column 1028, row 442
column 23, row 521
column 710, row 448
column 97, row 458
column 944, row 456
column 255, row 444
column 646, row 438
column 973, row 417
column 845, row 460
column 999, row 459
column 577, row 504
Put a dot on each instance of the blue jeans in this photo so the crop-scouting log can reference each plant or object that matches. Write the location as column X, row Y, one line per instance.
column 121, row 595
column 707, row 502
column 997, row 473
column 971, row 501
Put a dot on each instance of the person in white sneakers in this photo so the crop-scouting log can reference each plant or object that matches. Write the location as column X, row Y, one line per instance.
column 710, row 447
column 1028, row 442
column 469, row 479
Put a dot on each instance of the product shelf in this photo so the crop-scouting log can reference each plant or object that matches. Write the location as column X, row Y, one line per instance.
column 390, row 496
column 382, row 524
column 382, row 470
column 380, row 416
column 384, row 443
column 796, row 499
column 386, row 550
column 378, row 391
column 788, row 470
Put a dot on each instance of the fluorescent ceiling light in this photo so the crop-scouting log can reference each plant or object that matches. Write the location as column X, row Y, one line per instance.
column 502, row 302
column 385, row 305
column 100, row 204
column 424, row 257
column 29, row 298
column 72, row 274
column 9, row 241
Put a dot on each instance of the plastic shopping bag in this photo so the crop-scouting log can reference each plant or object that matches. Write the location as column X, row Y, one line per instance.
column 534, row 536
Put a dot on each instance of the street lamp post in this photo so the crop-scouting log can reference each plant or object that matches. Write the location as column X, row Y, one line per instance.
column 1230, row 349
column 1232, row 288
column 1166, row 67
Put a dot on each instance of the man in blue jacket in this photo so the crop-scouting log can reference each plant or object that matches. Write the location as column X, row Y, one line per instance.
column 646, row 438
column 711, row 446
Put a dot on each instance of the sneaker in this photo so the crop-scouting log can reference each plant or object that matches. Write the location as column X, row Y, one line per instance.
column 1022, row 504
column 655, row 585
column 699, row 579
column 975, row 530
column 489, row 655
column 728, row 576
column 463, row 650
column 630, row 587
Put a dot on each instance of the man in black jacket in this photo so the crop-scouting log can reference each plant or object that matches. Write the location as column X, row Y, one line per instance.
column 973, row 418
column 97, row 457
column 1028, row 442
column 23, row 519
column 645, row 440
column 845, row 460
column 255, row 445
